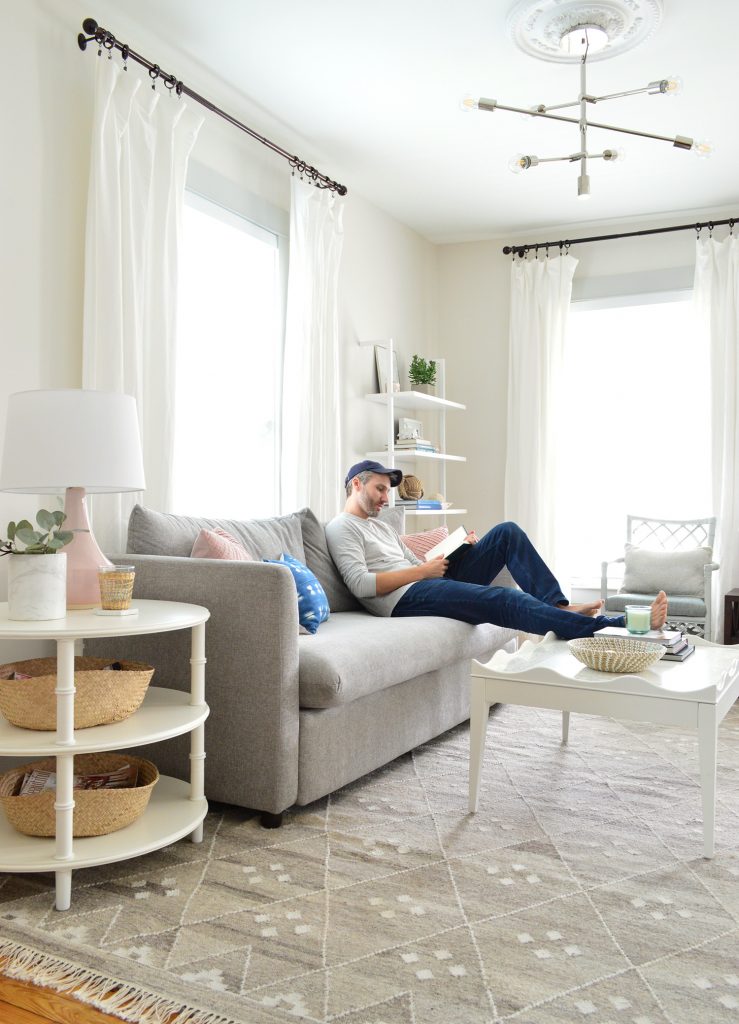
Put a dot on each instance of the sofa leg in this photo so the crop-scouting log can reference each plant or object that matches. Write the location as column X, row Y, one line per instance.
column 269, row 820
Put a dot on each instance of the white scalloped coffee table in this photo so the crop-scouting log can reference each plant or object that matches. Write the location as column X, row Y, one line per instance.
column 696, row 694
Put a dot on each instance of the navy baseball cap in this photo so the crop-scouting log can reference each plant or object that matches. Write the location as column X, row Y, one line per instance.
column 368, row 466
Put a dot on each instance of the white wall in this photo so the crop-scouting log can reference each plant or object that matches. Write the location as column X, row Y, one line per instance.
column 473, row 298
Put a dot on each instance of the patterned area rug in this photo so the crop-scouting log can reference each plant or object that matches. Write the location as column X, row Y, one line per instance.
column 577, row 893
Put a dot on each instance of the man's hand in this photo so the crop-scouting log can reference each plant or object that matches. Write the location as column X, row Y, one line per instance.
column 471, row 538
column 434, row 569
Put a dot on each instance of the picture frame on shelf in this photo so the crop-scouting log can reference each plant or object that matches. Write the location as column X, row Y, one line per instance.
column 381, row 364
column 408, row 429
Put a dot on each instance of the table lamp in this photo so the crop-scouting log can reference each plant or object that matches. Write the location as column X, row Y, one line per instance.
column 79, row 442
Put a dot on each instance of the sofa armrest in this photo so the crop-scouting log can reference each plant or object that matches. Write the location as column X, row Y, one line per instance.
column 251, row 677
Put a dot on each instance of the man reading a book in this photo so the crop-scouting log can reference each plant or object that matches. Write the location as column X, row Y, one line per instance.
column 388, row 579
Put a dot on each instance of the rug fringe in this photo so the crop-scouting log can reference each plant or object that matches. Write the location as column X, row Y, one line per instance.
column 107, row 994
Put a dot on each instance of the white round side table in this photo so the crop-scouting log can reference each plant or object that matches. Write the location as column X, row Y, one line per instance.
column 175, row 809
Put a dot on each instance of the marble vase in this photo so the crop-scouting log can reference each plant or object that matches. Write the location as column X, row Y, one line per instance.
column 37, row 586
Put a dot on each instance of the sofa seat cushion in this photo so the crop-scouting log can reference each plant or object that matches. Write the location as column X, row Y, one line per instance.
column 354, row 654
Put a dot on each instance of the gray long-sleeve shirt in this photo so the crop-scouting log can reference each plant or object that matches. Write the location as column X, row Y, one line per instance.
column 363, row 547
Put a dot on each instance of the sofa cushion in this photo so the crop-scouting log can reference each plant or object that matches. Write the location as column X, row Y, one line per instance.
column 319, row 561
column 421, row 543
column 219, row 544
column 166, row 533
column 312, row 602
column 354, row 654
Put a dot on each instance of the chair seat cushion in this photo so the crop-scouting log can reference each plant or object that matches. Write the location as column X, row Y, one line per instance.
column 354, row 654
column 676, row 606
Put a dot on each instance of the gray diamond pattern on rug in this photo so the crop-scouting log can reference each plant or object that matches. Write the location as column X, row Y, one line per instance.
column 578, row 892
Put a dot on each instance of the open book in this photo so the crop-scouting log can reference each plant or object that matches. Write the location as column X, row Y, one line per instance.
column 451, row 543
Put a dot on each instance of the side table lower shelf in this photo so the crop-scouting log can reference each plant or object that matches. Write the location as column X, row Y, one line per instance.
column 170, row 815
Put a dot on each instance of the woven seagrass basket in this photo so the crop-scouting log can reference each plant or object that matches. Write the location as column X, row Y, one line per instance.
column 96, row 811
column 615, row 654
column 103, row 696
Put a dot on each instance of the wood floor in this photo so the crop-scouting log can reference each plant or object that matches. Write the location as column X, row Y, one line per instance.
column 21, row 1003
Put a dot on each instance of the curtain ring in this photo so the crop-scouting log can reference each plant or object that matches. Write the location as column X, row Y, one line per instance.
column 124, row 56
column 547, row 252
column 698, row 229
column 154, row 74
column 731, row 228
column 536, row 253
column 710, row 229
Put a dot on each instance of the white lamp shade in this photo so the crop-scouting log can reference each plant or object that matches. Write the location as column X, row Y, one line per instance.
column 71, row 438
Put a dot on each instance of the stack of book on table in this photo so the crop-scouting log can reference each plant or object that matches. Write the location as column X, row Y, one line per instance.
column 675, row 643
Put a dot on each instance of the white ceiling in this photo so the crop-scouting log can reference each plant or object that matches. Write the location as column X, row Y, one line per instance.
column 375, row 86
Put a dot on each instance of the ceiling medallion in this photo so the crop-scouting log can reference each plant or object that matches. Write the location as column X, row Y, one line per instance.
column 538, row 26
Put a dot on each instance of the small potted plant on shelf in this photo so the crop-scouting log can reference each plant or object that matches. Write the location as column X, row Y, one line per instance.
column 37, row 568
column 422, row 375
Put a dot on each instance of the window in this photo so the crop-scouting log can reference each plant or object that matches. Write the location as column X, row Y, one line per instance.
column 637, row 394
column 229, row 356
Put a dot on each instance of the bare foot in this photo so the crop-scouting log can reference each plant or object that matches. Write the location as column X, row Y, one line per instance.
column 590, row 608
column 659, row 611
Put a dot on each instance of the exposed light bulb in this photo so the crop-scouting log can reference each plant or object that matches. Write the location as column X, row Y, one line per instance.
column 468, row 103
column 672, row 86
column 519, row 163
column 702, row 149
column 609, row 155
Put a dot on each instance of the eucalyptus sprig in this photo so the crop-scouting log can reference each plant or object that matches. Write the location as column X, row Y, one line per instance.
column 35, row 542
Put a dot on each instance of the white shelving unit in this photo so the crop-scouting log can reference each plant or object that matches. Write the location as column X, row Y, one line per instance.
column 417, row 401
column 176, row 808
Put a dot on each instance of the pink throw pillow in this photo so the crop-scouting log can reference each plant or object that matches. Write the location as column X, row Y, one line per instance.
column 420, row 543
column 219, row 544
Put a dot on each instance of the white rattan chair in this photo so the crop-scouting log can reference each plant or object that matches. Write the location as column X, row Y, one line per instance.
column 690, row 613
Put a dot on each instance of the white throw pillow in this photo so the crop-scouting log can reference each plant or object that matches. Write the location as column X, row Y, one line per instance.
column 675, row 572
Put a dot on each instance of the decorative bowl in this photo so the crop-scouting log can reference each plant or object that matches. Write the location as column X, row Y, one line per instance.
column 614, row 654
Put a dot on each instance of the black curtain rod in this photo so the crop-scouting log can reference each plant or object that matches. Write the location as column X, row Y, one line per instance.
column 106, row 40
column 521, row 250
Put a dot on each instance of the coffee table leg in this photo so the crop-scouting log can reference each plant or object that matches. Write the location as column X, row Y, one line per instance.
column 565, row 726
column 478, row 727
column 707, row 744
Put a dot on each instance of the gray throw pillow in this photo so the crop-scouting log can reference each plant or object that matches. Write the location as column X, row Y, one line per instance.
column 675, row 572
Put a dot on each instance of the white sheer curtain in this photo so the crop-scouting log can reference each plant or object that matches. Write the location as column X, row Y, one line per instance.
column 537, row 425
column 141, row 142
column 311, row 438
column 717, row 300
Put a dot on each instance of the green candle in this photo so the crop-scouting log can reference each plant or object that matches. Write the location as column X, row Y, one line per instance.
column 638, row 618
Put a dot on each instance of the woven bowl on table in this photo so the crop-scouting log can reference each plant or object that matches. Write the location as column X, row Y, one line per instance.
column 609, row 654
column 96, row 811
column 102, row 695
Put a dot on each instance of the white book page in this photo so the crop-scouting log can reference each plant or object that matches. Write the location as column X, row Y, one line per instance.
column 449, row 544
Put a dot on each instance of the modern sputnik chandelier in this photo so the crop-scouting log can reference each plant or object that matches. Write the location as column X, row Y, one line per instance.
column 569, row 31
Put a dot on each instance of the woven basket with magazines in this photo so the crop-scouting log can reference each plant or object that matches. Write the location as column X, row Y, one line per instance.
column 106, row 691
column 96, row 811
column 615, row 654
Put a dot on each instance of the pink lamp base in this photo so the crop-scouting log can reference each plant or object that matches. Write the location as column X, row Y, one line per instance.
column 83, row 554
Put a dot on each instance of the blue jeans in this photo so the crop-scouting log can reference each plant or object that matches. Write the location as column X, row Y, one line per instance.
column 465, row 592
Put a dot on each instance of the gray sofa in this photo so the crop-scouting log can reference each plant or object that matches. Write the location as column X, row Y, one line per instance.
column 292, row 717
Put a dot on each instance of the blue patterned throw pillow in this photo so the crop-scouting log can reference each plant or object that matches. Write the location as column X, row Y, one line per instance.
column 312, row 601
